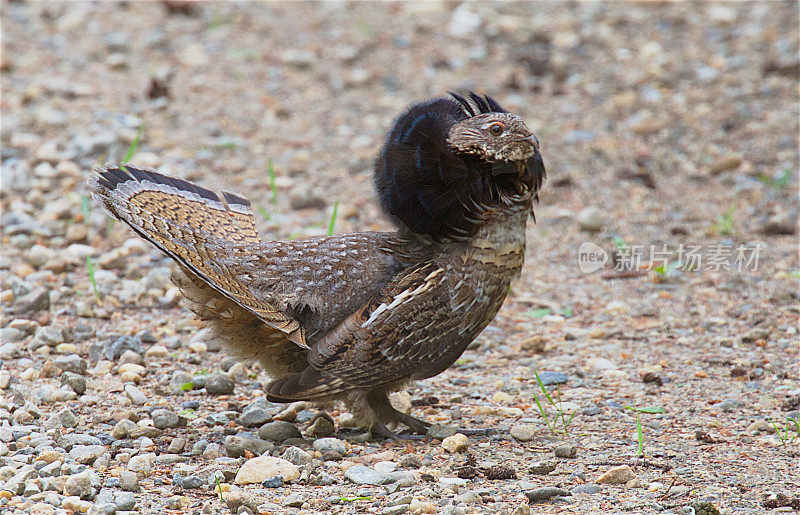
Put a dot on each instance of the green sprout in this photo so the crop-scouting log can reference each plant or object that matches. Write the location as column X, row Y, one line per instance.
column 332, row 223
column 538, row 313
column 791, row 431
column 665, row 271
column 639, row 432
column 620, row 245
column 724, row 225
column 272, row 188
column 552, row 424
column 778, row 183
column 132, row 148
column 90, row 269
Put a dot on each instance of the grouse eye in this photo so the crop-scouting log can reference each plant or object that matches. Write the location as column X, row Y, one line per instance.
column 496, row 129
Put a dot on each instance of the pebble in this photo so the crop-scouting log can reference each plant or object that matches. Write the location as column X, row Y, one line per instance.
column 75, row 504
column 566, row 451
column 256, row 470
column 125, row 501
column 455, row 443
column 141, row 463
column 192, row 481
column 542, row 468
column 549, row 378
column 363, row 475
column 321, row 426
column 273, row 482
column 617, row 476
column 586, row 489
column 128, row 481
column 254, row 418
column 164, row 418
column 67, row 418
column 135, row 395
column 324, row 445
column 46, row 336
column 38, row 299
column 74, row 381
column 545, row 494
column 71, row 363
column 278, row 431
column 176, row 445
column 729, row 405
column 523, row 432
column 296, row 456
column 591, row 219
column 78, row 485
column 218, row 384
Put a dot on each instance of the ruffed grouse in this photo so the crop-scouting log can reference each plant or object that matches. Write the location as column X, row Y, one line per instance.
column 354, row 317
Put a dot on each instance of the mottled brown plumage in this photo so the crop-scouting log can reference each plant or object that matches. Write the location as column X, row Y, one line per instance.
column 355, row 316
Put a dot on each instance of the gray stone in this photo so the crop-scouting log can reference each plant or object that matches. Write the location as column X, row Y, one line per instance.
column 294, row 500
column 192, row 482
column 164, row 418
column 591, row 219
column 403, row 478
column 542, row 468
column 176, row 445
column 11, row 334
column 296, row 455
column 278, row 431
column 545, row 494
column 218, row 384
column 363, row 475
column 254, row 418
column 80, row 485
column 566, row 451
column 330, row 444
column 38, row 299
column 112, row 349
column 586, row 489
column 125, row 501
column 273, row 482
column 321, row 426
column 46, row 336
column 729, row 405
column 128, row 481
column 441, row 432
column 523, row 432
column 86, row 454
column 135, row 395
column 74, row 381
column 550, row 378
column 123, row 429
column 51, row 469
column 72, row 439
column 9, row 350
column 67, row 418
column 71, row 363
column 16, row 483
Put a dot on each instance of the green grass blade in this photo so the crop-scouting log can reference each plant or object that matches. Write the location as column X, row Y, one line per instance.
column 332, row 224
column 90, row 269
column 134, row 144
column 640, row 435
column 272, row 187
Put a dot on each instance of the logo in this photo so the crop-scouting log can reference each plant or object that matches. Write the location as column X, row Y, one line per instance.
column 591, row 257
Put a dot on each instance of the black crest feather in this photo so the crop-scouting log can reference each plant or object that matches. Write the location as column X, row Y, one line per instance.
column 426, row 185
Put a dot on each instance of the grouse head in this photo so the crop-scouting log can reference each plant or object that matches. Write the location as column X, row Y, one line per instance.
column 450, row 161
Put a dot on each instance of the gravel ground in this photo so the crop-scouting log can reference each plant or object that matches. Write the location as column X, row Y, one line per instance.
column 662, row 127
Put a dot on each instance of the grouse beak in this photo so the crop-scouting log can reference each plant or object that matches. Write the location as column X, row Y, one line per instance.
column 532, row 141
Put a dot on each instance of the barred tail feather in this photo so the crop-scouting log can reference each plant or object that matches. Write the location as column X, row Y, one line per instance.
column 187, row 222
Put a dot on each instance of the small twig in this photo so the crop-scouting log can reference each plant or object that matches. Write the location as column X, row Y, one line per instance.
column 666, row 494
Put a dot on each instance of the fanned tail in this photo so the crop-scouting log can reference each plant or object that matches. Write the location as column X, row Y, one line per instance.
column 188, row 222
